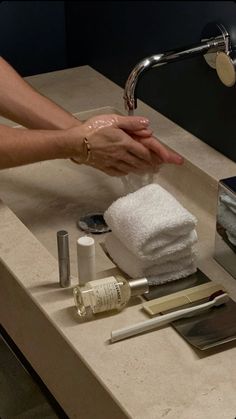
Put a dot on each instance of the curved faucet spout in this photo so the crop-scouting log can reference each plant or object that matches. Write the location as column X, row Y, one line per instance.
column 208, row 46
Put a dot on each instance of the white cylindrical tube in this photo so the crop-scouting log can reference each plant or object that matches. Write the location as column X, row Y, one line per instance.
column 86, row 259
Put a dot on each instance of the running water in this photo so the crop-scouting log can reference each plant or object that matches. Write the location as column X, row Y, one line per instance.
column 133, row 182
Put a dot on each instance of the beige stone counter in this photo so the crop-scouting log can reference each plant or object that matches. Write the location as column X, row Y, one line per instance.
column 147, row 377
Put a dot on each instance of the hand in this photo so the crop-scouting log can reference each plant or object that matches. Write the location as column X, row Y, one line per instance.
column 164, row 153
column 120, row 145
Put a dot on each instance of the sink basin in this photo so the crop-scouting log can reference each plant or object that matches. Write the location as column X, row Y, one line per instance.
column 53, row 195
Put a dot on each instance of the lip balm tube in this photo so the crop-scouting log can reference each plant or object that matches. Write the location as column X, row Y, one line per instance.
column 63, row 258
column 86, row 259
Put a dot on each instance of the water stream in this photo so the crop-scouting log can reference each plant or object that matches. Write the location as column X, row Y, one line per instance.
column 132, row 182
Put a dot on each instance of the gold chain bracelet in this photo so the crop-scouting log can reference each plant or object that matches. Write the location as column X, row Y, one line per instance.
column 88, row 151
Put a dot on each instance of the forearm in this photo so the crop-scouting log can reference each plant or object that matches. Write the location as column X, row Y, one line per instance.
column 23, row 146
column 24, row 105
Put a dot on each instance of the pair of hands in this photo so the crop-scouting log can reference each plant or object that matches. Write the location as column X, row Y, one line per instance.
column 124, row 144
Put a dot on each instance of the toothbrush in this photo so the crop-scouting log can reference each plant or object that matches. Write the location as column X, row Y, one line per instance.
column 215, row 300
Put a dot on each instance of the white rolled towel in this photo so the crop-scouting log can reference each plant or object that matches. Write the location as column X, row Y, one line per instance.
column 177, row 265
column 151, row 223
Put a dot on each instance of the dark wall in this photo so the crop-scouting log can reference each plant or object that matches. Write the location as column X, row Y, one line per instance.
column 112, row 36
column 32, row 35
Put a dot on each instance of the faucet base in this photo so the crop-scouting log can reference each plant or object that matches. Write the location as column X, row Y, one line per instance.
column 217, row 32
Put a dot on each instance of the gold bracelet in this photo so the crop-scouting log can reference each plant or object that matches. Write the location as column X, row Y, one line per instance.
column 88, row 151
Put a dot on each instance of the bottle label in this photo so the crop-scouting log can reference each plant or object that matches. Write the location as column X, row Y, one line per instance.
column 107, row 294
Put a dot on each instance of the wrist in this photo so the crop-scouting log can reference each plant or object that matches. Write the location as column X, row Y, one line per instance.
column 85, row 155
column 74, row 122
column 67, row 122
column 72, row 145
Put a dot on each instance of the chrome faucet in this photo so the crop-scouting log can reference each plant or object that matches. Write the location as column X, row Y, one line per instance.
column 219, row 54
column 216, row 47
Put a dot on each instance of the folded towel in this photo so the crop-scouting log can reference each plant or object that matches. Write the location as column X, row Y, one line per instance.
column 227, row 219
column 229, row 202
column 172, row 276
column 171, row 265
column 231, row 238
column 151, row 223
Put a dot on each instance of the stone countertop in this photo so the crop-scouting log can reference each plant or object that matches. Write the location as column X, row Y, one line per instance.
column 150, row 376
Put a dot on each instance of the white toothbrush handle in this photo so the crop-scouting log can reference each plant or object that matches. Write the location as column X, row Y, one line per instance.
column 150, row 324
